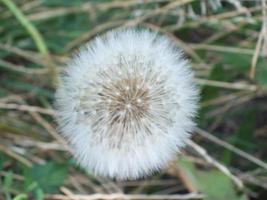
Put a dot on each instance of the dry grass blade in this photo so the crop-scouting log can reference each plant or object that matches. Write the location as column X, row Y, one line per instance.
column 215, row 163
column 224, row 99
column 222, row 48
column 264, row 24
column 15, row 156
column 177, row 41
column 51, row 130
column 87, row 36
column 12, row 106
column 176, row 170
column 34, row 33
column 29, row 55
column 88, row 7
column 232, row 148
column 125, row 196
column 21, row 69
column 226, row 85
column 256, row 55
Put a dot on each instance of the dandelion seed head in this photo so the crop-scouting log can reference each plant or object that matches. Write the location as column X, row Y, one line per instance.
column 135, row 112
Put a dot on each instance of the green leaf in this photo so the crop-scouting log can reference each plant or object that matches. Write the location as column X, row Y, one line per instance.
column 21, row 197
column 209, row 92
column 3, row 158
column 237, row 62
column 8, row 180
column 65, row 3
column 261, row 72
column 243, row 137
column 212, row 183
column 23, row 86
column 39, row 194
column 48, row 176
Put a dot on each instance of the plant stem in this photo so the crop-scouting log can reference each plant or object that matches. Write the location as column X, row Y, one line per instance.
column 34, row 33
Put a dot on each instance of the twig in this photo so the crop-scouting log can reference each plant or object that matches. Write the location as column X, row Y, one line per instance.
column 235, row 86
column 222, row 48
column 28, row 108
column 87, row 7
column 264, row 15
column 249, row 178
column 126, row 196
column 16, row 156
column 15, row 176
column 108, row 185
column 128, row 23
column 256, row 54
column 22, row 69
column 213, row 18
column 66, row 191
column 79, row 180
column 232, row 148
column 27, row 6
column 231, row 104
column 27, row 142
column 154, row 182
column 261, row 43
column 11, row 97
column 50, row 130
column 98, row 29
column 178, row 42
column 223, row 99
column 177, row 171
column 215, row 163
column 29, row 55
column 76, row 183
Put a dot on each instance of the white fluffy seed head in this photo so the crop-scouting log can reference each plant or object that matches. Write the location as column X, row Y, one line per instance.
column 126, row 103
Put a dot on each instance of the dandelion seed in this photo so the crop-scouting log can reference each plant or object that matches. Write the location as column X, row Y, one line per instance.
column 135, row 125
column 139, row 100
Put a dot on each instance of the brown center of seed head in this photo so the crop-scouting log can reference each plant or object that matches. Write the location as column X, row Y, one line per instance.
column 126, row 100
